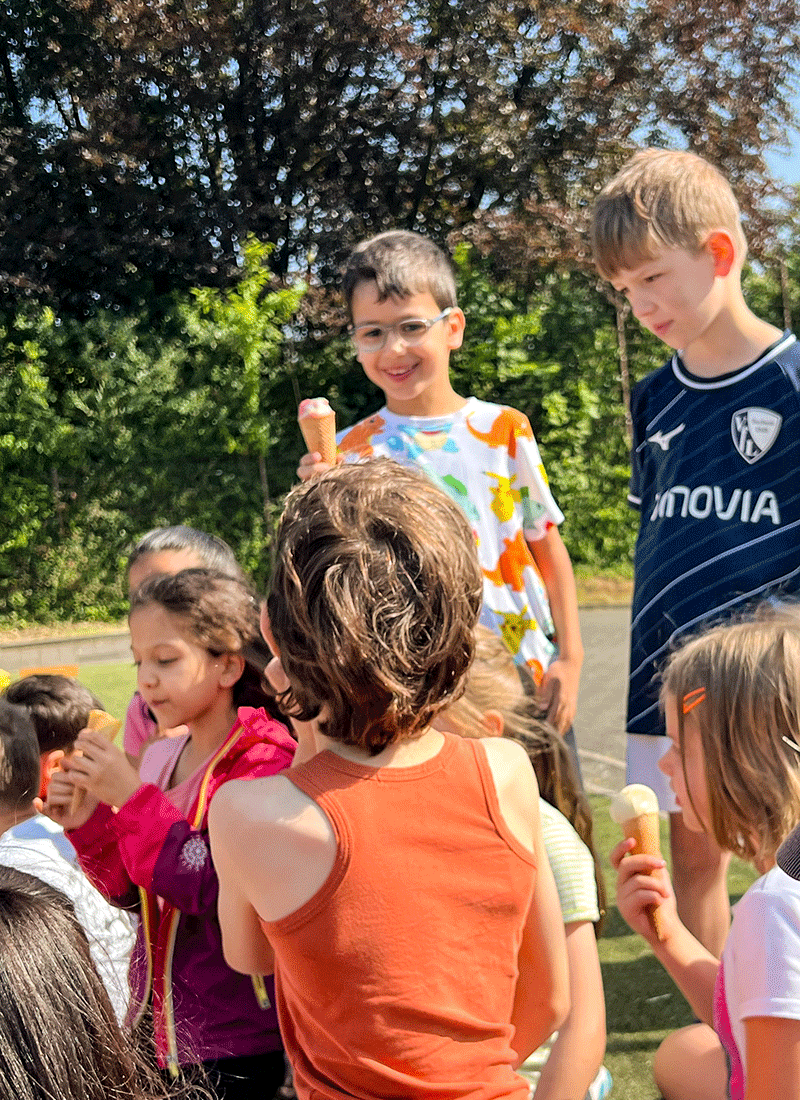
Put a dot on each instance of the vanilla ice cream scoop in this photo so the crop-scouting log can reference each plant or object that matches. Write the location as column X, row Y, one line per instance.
column 632, row 801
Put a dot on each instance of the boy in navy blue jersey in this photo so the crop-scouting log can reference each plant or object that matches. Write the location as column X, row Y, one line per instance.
column 716, row 453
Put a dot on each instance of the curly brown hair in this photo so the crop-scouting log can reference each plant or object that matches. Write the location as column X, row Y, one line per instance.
column 374, row 601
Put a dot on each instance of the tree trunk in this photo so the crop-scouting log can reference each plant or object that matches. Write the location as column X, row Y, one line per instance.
column 622, row 311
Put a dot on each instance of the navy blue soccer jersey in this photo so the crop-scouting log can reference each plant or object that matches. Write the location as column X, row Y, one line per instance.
column 716, row 477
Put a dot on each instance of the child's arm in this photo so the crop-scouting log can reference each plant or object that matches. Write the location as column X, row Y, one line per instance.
column 559, row 687
column 773, row 1058
column 578, row 1051
column 541, row 999
column 642, row 881
column 244, row 942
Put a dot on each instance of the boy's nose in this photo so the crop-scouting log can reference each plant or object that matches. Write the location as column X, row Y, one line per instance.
column 395, row 342
column 641, row 304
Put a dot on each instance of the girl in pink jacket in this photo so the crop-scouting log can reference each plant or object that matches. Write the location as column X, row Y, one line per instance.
column 142, row 836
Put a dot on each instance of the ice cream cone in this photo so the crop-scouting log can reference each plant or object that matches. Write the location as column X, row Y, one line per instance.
column 635, row 809
column 317, row 422
column 645, row 831
column 99, row 722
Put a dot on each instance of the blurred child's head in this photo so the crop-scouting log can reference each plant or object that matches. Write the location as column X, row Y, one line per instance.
column 58, row 706
column 213, row 612
column 170, row 549
column 731, row 695
column 58, row 1032
column 495, row 703
column 662, row 199
column 20, row 767
column 400, row 264
column 374, row 601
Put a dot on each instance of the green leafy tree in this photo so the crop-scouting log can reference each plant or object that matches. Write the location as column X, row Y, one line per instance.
column 141, row 143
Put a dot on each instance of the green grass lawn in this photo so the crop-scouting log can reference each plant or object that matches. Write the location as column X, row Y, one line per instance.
column 642, row 1003
column 113, row 685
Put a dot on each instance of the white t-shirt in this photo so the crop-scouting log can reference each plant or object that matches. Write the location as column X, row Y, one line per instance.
column 486, row 458
column 109, row 930
column 760, row 972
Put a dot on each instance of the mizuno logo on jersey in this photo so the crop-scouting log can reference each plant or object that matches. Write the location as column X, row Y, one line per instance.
column 663, row 439
column 700, row 502
column 754, row 431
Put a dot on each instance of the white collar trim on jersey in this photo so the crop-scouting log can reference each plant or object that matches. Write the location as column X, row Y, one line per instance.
column 694, row 383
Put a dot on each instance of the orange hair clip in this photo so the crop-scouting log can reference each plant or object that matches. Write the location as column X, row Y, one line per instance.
column 693, row 699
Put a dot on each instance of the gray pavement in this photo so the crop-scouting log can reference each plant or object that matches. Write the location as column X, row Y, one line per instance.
column 599, row 725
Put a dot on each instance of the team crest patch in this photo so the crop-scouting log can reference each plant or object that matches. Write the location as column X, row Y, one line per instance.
column 754, row 431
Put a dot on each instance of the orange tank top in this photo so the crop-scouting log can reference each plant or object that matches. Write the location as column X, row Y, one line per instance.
column 397, row 978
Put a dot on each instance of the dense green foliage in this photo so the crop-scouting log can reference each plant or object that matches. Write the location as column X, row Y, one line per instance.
column 112, row 426
column 180, row 179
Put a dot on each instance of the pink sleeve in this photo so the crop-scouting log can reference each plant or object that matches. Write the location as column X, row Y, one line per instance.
column 139, row 726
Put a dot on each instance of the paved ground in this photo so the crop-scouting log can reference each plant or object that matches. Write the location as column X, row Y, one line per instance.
column 600, row 722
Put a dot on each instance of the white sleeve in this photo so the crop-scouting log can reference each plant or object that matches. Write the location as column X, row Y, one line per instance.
column 764, row 963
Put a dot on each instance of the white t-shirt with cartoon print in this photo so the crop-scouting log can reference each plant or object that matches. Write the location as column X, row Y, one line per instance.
column 486, row 458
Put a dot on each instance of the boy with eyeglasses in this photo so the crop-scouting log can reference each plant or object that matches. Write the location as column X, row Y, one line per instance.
column 401, row 296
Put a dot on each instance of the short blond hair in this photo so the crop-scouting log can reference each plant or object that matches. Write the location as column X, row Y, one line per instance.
column 749, row 674
column 661, row 198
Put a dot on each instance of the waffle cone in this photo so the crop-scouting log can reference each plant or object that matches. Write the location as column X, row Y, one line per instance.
column 645, row 831
column 319, row 432
column 99, row 722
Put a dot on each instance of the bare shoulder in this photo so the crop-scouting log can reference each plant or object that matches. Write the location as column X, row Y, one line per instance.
column 242, row 807
column 273, row 840
column 516, row 787
column 509, row 763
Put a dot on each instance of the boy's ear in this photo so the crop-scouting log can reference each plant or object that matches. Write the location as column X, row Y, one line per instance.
column 49, row 762
column 720, row 245
column 455, row 323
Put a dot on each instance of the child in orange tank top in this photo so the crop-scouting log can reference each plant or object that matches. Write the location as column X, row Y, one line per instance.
column 394, row 878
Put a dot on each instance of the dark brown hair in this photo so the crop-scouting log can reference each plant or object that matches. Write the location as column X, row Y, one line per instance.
column 223, row 615
column 59, row 1036
column 400, row 263
column 212, row 552
column 58, row 706
column 20, row 766
column 374, row 601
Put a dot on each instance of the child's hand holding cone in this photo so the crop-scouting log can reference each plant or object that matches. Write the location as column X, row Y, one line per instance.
column 635, row 809
column 98, row 722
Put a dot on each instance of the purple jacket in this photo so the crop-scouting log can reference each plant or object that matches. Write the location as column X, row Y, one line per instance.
column 148, row 855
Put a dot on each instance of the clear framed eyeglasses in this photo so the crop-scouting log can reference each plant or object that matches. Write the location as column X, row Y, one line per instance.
column 411, row 331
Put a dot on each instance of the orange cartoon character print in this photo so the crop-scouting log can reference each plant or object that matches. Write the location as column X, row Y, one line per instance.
column 359, row 439
column 511, row 564
column 505, row 430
